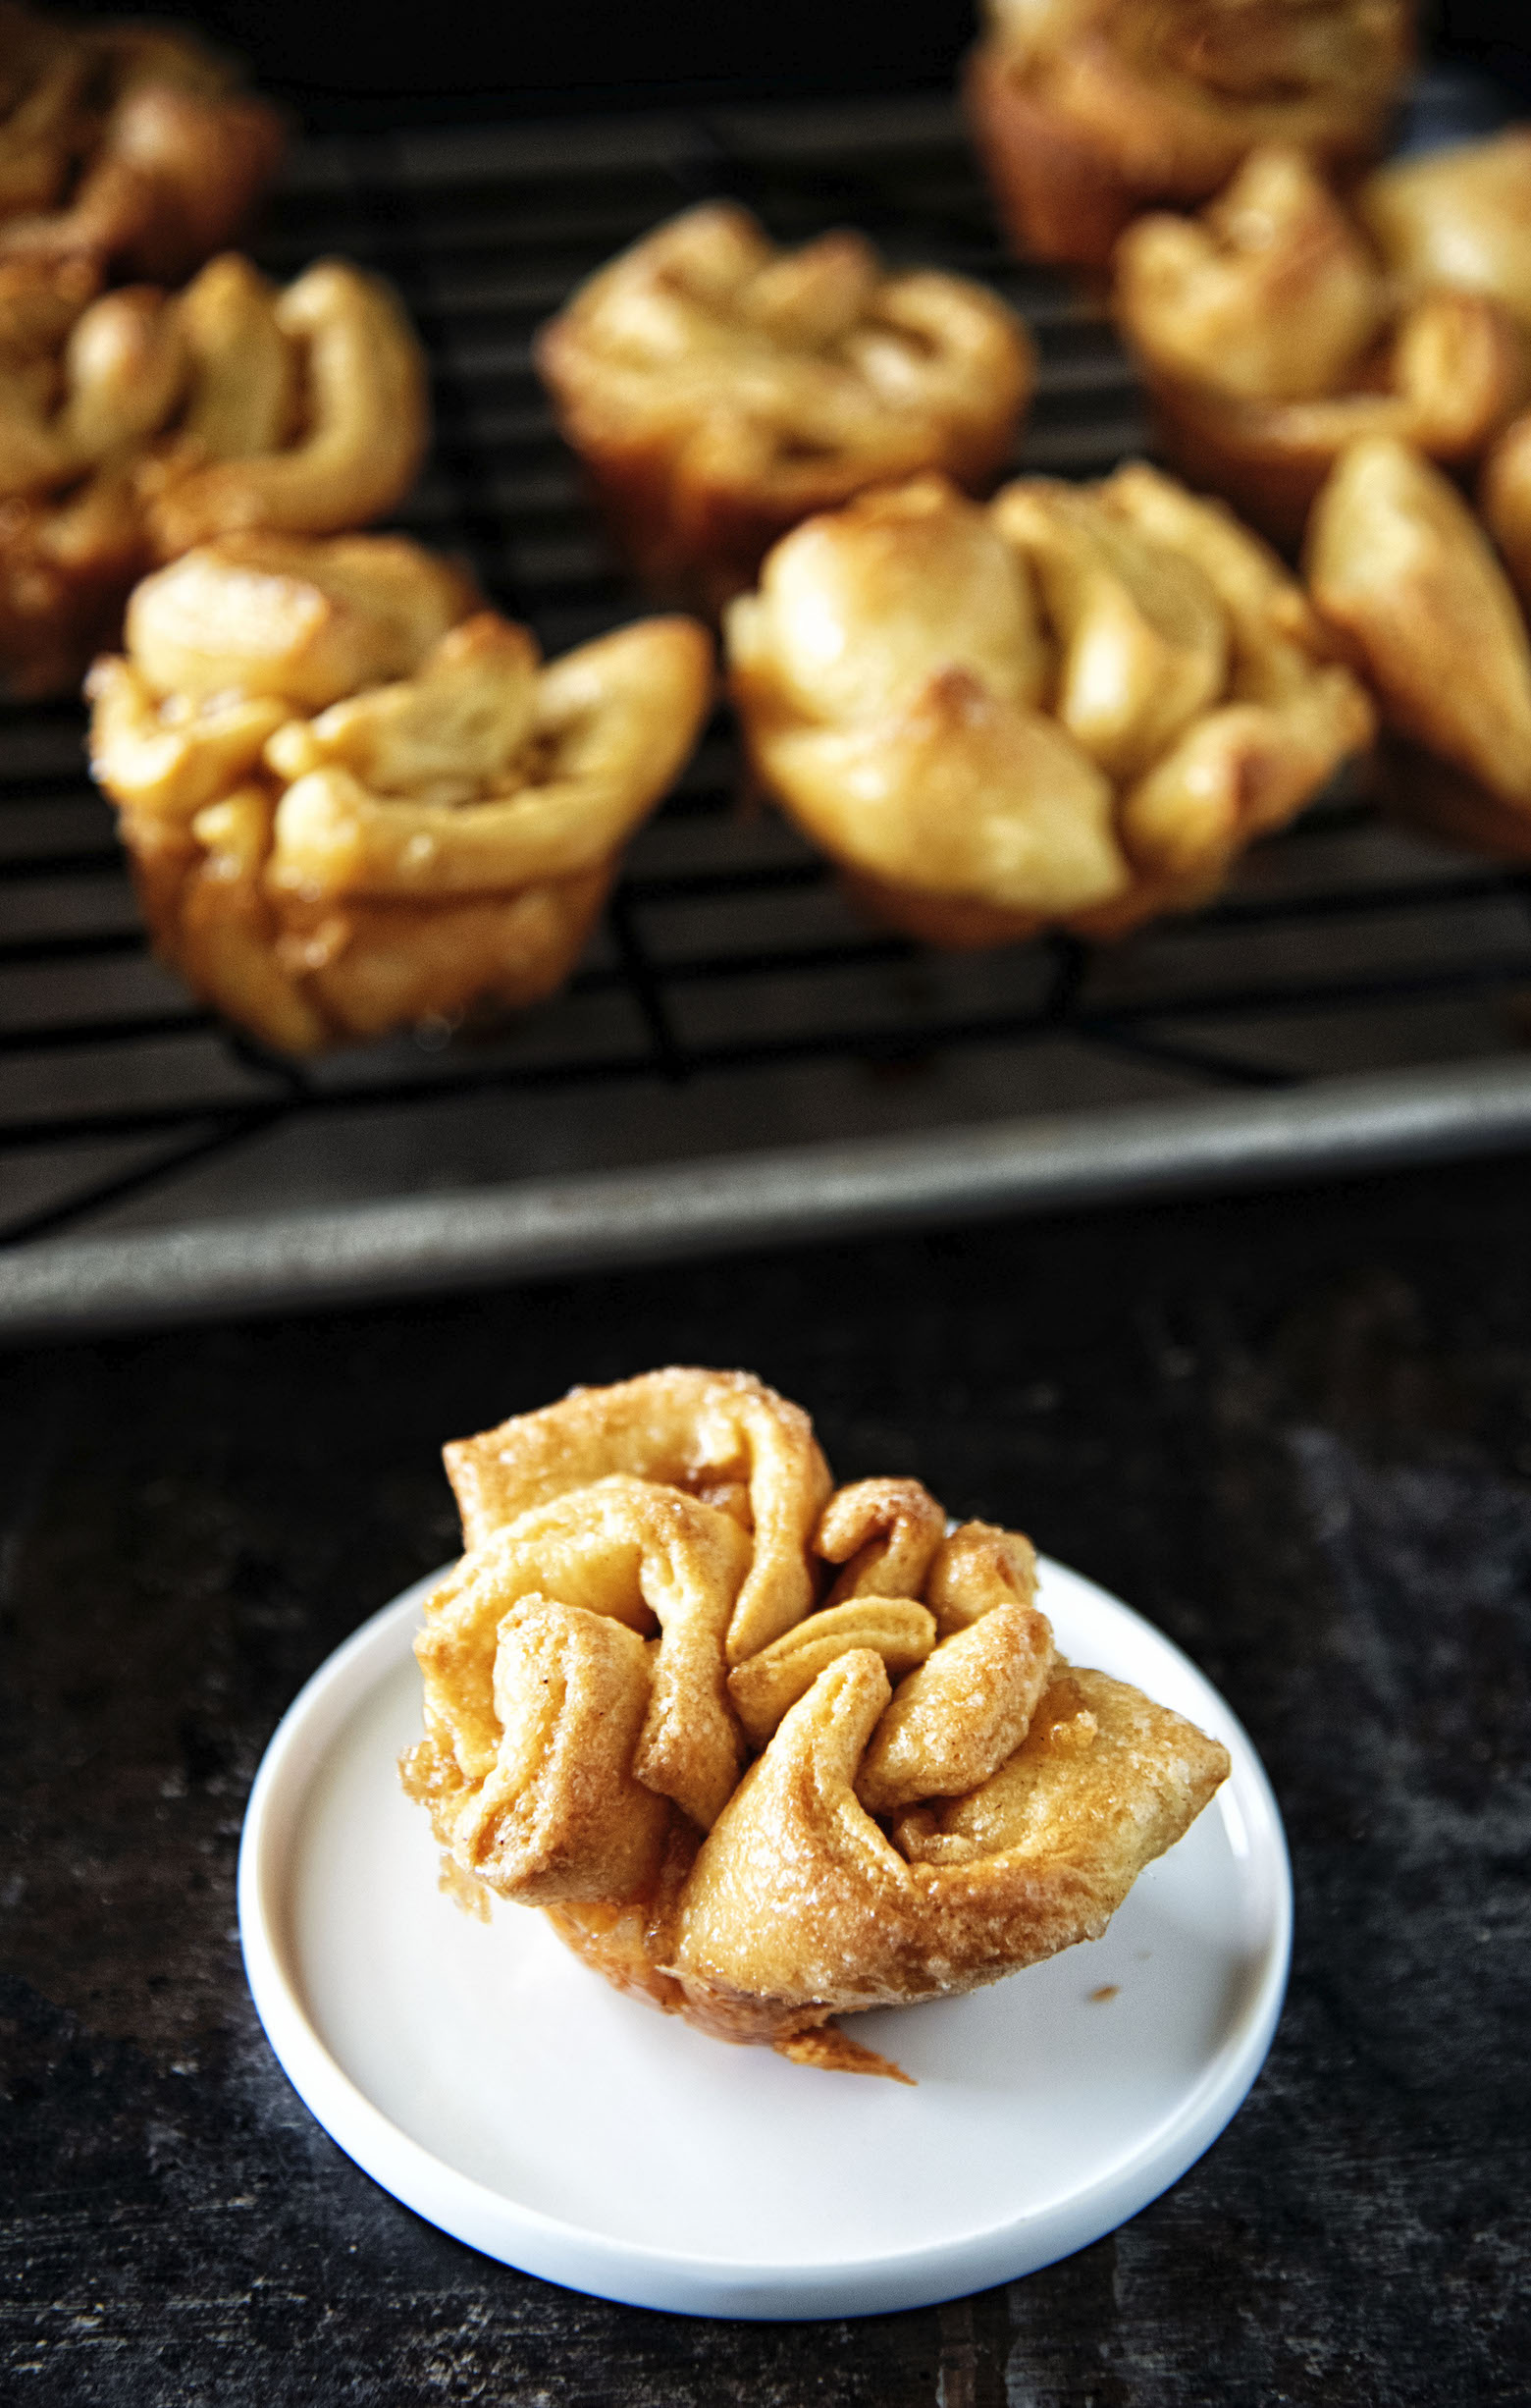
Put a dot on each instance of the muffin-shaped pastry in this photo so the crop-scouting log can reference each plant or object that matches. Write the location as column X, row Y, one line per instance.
column 718, row 390
column 1458, row 217
column 1086, row 110
column 766, row 1752
column 157, row 421
column 1271, row 336
column 1076, row 707
column 1402, row 571
column 122, row 146
column 355, row 801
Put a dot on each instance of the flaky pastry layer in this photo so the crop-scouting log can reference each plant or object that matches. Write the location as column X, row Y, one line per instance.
column 717, row 389
column 1074, row 707
column 1085, row 110
column 354, row 802
column 1271, row 336
column 766, row 1751
column 157, row 421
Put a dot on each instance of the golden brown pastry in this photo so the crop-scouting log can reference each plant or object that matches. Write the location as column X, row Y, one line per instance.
column 157, row 421
column 1404, row 573
column 1270, row 336
column 1085, row 110
column 122, row 147
column 717, row 389
column 1458, row 217
column 649, row 1601
column 355, row 801
column 1076, row 707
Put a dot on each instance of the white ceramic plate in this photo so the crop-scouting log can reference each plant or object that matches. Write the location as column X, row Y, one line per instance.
column 498, row 2087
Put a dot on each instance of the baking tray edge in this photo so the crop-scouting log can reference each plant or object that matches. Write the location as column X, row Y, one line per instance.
column 354, row 1254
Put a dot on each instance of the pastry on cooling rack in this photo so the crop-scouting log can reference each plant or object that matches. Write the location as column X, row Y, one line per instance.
column 769, row 1751
column 1086, row 110
column 1076, row 707
column 1271, row 336
column 354, row 800
column 122, row 147
column 1460, row 216
column 717, row 389
column 1399, row 566
column 156, row 420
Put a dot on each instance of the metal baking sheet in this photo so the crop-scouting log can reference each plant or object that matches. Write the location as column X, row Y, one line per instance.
column 740, row 1059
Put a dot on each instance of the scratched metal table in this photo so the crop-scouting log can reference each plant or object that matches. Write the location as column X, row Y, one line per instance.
column 739, row 1060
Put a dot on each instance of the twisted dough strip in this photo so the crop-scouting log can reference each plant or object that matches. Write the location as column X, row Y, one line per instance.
column 1104, row 1782
column 709, row 1432
column 366, row 424
column 955, row 1720
column 884, row 1534
column 628, row 1549
column 764, row 1687
column 560, row 1815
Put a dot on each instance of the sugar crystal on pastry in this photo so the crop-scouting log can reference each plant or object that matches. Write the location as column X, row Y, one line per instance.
column 742, row 1792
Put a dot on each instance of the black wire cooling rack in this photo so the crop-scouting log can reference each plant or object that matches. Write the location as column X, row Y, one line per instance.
column 738, row 1056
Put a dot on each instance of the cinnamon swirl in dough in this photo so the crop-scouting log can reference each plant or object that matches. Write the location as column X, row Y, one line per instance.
column 355, row 801
column 717, row 389
column 752, row 1792
column 1271, row 336
column 1074, row 707
column 1085, row 110
column 152, row 421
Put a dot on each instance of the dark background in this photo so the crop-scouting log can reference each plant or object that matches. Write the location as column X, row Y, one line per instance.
column 367, row 66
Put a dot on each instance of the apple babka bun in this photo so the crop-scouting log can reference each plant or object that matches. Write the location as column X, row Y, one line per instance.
column 149, row 420
column 126, row 148
column 767, row 1751
column 354, row 800
column 717, row 389
column 1271, row 334
column 1076, row 708
column 1086, row 111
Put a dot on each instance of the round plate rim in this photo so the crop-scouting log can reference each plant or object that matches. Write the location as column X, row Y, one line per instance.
column 687, row 2281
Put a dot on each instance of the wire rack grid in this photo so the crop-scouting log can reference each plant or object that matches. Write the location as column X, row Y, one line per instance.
column 734, row 1011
